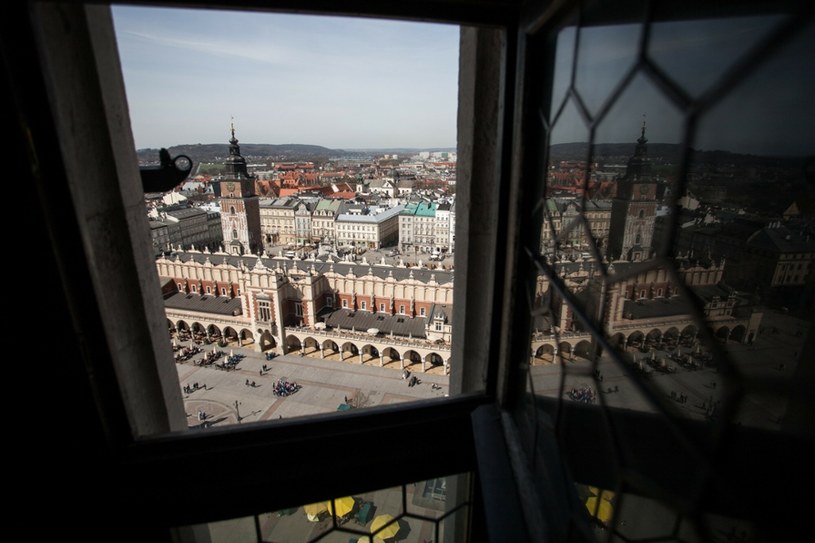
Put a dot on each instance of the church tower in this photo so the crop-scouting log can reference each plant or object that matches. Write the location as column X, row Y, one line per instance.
column 633, row 209
column 240, row 206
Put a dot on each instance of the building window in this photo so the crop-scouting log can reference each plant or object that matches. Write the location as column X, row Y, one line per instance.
column 234, row 234
column 364, row 306
column 264, row 311
column 231, row 210
column 298, row 309
column 421, row 312
column 382, row 308
column 401, row 309
column 223, row 291
column 194, row 288
column 344, row 303
column 209, row 290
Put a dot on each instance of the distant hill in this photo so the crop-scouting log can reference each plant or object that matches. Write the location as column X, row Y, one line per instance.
column 216, row 152
column 577, row 151
column 402, row 150
column 669, row 153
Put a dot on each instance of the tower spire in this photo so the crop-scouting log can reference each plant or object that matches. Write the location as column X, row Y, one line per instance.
column 235, row 163
column 641, row 150
column 234, row 148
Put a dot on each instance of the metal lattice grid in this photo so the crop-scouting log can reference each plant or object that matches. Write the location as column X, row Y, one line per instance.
column 686, row 352
column 432, row 510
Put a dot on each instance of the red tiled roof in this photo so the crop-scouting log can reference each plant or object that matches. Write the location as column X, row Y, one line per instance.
column 343, row 195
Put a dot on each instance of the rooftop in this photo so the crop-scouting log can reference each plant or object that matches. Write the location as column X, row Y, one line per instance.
column 221, row 305
column 370, row 218
column 399, row 325
column 658, row 307
column 398, row 273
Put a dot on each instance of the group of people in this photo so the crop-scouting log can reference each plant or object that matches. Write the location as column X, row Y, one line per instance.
column 681, row 397
column 285, row 388
column 189, row 389
column 585, row 394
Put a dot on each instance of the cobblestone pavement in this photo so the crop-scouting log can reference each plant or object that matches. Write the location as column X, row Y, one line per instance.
column 325, row 385
column 771, row 358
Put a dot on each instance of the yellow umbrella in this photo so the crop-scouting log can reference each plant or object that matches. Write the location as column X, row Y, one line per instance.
column 367, row 539
column 390, row 528
column 313, row 510
column 605, row 494
column 344, row 505
column 602, row 509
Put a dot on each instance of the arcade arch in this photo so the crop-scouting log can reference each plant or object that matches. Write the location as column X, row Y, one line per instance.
column 310, row 345
column 583, row 349
column 267, row 341
column 390, row 355
column 293, row 343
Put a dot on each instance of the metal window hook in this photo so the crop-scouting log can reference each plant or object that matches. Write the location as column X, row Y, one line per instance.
column 168, row 174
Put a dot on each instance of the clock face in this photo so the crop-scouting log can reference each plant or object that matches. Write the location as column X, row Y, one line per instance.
column 230, row 186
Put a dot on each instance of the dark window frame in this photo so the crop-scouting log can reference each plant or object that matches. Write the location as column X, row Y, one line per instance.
column 143, row 475
column 131, row 478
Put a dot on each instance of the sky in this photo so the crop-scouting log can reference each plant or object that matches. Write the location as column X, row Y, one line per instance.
column 348, row 83
column 769, row 112
column 341, row 83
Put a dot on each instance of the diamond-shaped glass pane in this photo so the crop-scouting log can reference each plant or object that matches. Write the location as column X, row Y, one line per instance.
column 386, row 501
column 564, row 61
column 638, row 138
column 568, row 144
column 696, row 54
column 605, row 54
column 769, row 114
column 436, row 497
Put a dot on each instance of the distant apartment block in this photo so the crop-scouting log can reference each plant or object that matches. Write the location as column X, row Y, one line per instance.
column 425, row 226
column 375, row 228
column 185, row 227
column 277, row 220
column 559, row 223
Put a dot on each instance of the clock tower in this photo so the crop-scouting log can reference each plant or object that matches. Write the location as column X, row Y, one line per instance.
column 240, row 206
column 633, row 209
